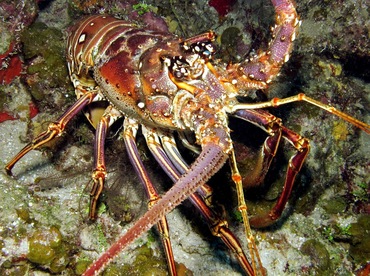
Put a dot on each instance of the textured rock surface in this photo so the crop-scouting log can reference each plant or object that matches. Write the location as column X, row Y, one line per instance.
column 330, row 202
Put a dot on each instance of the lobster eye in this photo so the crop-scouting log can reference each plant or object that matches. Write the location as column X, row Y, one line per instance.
column 205, row 49
column 178, row 66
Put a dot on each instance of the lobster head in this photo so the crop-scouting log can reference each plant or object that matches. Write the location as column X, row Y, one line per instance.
column 175, row 73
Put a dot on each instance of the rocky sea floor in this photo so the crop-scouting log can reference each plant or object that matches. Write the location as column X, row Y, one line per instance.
column 43, row 208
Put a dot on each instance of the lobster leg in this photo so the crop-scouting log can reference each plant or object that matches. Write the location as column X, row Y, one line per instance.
column 106, row 120
column 174, row 165
column 273, row 127
column 130, row 130
column 275, row 102
column 242, row 206
column 169, row 146
column 55, row 129
column 211, row 159
column 100, row 171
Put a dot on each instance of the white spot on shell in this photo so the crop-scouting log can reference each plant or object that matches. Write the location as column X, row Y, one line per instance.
column 286, row 58
column 141, row 105
column 82, row 38
column 293, row 37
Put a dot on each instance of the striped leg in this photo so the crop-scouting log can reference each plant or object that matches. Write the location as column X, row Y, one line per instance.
column 109, row 116
column 167, row 155
column 54, row 130
column 129, row 134
column 273, row 127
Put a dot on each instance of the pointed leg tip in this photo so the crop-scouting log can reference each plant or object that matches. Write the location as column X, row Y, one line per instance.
column 8, row 171
column 92, row 217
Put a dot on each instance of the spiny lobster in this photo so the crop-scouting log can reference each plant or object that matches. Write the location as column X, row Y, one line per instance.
column 168, row 85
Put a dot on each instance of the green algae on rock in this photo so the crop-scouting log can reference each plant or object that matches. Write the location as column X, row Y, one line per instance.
column 42, row 245
column 360, row 239
column 318, row 254
column 44, row 51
